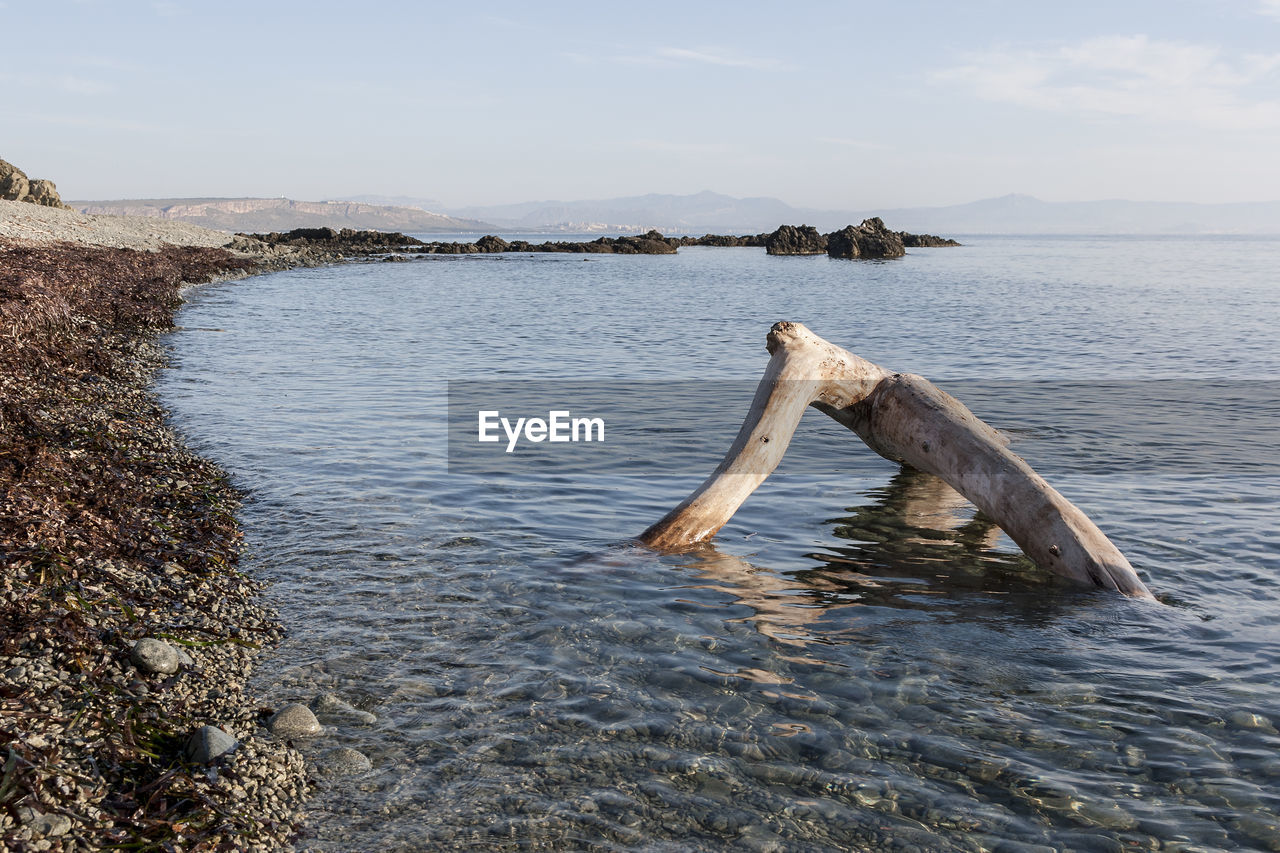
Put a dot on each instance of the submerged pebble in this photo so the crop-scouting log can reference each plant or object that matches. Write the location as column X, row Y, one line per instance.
column 334, row 709
column 343, row 761
column 1247, row 720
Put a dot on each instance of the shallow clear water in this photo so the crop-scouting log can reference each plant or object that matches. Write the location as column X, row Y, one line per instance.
column 859, row 662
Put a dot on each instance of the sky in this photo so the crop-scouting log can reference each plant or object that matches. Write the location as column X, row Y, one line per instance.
column 827, row 105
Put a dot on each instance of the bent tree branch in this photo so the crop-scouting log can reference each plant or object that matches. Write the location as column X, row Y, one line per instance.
column 907, row 419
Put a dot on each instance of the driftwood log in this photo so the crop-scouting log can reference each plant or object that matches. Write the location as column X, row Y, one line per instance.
column 907, row 419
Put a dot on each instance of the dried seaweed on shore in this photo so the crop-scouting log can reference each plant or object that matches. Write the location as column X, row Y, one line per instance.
column 111, row 531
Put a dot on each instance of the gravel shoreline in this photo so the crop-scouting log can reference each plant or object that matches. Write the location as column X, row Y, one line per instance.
column 111, row 533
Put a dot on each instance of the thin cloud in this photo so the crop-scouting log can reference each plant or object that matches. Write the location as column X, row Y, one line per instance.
column 1131, row 76
column 669, row 57
column 682, row 147
column 1270, row 8
column 69, row 84
column 853, row 143
column 721, row 58
column 91, row 123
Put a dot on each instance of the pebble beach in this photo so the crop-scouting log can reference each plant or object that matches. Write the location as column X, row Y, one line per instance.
column 127, row 631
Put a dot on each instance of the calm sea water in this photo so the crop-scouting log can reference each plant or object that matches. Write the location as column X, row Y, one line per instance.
column 858, row 662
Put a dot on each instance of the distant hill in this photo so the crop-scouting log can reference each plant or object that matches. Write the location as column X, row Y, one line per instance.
column 1023, row 214
column 704, row 212
column 428, row 204
column 1012, row 214
column 670, row 214
column 282, row 214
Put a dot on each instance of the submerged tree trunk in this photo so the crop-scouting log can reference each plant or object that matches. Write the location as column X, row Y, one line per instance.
column 907, row 419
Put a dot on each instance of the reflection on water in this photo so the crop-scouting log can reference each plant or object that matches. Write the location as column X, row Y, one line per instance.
column 919, row 537
column 860, row 662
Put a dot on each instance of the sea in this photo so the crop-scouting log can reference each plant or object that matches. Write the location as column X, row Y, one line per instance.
column 859, row 660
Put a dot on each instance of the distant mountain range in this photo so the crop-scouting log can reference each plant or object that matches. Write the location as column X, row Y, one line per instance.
column 1023, row 214
column 1011, row 214
column 704, row 212
column 282, row 214
column 691, row 214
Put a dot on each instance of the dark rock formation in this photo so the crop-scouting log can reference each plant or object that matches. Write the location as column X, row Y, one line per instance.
column 490, row 243
column 322, row 245
column 790, row 240
column 925, row 241
column 16, row 186
column 347, row 240
column 652, row 243
column 749, row 240
column 309, row 246
column 869, row 240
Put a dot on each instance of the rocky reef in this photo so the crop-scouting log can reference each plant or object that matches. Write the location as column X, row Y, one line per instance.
column 870, row 240
column 324, row 245
column 312, row 246
column 16, row 186
column 792, row 240
column 754, row 241
column 925, row 241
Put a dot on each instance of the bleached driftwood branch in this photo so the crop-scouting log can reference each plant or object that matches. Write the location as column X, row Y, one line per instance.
column 907, row 419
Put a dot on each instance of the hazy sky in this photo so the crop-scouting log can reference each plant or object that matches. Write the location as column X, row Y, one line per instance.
column 853, row 104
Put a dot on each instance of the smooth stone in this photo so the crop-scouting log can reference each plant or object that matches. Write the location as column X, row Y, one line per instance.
column 337, row 710
column 155, row 656
column 16, row 674
column 46, row 824
column 344, row 761
column 1247, row 720
column 1108, row 815
column 207, row 743
column 294, row 720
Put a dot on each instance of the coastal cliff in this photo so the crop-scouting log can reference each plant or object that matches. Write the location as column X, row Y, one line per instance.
column 282, row 214
column 16, row 186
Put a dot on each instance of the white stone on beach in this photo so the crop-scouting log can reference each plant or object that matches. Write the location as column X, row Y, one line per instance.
column 155, row 656
column 44, row 824
column 294, row 720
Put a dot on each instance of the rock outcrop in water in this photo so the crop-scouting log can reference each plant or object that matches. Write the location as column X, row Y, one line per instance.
column 925, row 241
column 870, row 240
column 490, row 243
column 651, row 243
column 310, row 246
column 790, row 240
column 16, row 186
column 326, row 244
column 754, row 241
